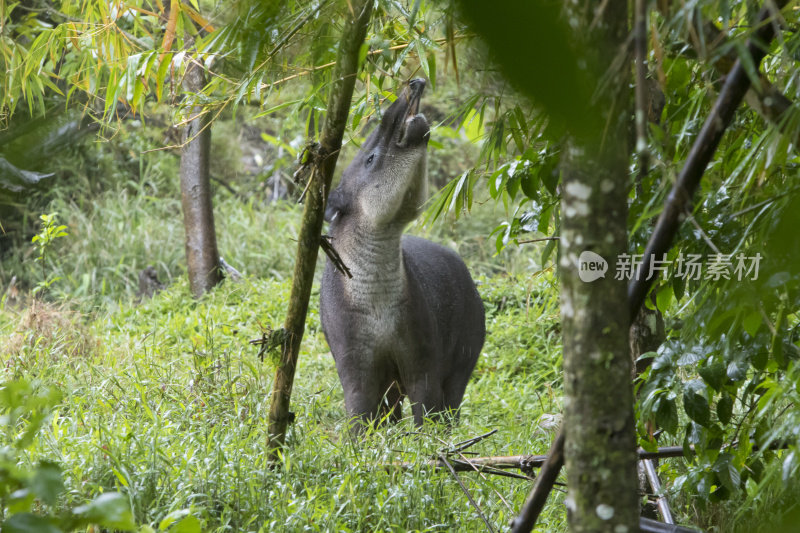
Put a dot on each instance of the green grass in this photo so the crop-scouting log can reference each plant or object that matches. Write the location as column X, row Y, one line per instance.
column 167, row 403
column 133, row 219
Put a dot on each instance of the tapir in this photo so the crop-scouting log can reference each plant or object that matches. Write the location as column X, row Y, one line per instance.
column 409, row 322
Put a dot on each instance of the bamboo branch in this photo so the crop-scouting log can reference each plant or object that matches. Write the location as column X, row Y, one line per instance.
column 655, row 485
column 463, row 445
column 282, row 43
column 539, row 240
column 333, row 255
column 307, row 71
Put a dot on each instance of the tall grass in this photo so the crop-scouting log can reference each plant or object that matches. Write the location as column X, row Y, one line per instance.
column 167, row 402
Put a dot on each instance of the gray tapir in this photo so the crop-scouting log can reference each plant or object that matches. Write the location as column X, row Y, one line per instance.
column 409, row 322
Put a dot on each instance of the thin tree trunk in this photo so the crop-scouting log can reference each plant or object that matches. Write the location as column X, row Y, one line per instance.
column 600, row 445
column 598, row 419
column 202, row 256
column 323, row 163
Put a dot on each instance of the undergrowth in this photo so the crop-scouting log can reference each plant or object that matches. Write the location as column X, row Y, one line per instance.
column 167, row 403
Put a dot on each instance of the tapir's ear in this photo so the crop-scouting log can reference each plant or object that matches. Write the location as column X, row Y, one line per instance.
column 336, row 205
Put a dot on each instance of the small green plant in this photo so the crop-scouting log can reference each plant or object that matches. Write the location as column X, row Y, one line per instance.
column 44, row 242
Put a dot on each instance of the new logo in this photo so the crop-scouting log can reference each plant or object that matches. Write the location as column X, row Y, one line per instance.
column 591, row 266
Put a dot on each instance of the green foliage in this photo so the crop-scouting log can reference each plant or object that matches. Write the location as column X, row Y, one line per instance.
column 165, row 403
column 175, row 418
column 520, row 171
column 733, row 336
column 734, row 339
column 30, row 492
column 558, row 79
column 118, row 199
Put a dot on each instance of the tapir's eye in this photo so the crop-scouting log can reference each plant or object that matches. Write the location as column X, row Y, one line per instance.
column 370, row 158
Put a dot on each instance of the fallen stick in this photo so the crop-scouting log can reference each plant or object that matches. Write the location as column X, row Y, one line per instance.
column 524, row 463
column 527, row 463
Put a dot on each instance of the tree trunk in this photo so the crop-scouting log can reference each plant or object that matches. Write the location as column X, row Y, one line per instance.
column 202, row 256
column 600, row 446
column 323, row 163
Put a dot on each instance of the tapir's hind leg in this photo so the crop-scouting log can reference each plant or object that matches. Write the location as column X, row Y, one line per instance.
column 454, row 388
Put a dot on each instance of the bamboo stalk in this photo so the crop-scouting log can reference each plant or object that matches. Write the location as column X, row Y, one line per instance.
column 324, row 157
column 655, row 485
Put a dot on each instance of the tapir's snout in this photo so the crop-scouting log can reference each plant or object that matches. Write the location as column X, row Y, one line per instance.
column 414, row 95
column 403, row 116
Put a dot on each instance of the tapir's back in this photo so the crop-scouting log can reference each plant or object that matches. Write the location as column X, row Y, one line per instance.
column 444, row 286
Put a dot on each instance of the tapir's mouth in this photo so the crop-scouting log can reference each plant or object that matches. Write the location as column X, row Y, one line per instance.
column 414, row 129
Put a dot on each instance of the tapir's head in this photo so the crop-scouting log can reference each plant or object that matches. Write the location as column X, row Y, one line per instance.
column 386, row 181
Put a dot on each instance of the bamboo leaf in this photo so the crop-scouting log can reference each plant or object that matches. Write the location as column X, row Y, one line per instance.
column 52, row 86
column 278, row 107
column 161, row 75
column 412, row 17
column 432, row 68
column 195, row 15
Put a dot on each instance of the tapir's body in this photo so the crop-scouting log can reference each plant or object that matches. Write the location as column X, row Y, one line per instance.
column 409, row 322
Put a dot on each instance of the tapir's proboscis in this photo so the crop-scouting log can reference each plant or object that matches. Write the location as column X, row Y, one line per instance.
column 409, row 322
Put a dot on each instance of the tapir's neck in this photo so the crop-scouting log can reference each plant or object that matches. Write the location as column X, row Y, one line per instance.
column 375, row 259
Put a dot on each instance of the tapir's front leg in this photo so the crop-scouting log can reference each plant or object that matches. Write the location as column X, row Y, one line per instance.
column 370, row 392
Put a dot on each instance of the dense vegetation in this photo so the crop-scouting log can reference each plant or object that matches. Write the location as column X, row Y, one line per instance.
column 151, row 413
column 165, row 400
